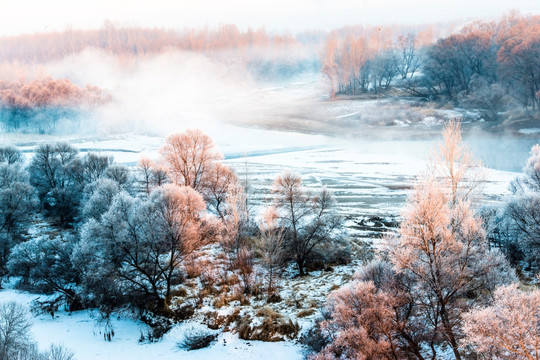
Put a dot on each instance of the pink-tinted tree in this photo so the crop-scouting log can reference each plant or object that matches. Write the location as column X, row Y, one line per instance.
column 509, row 328
column 441, row 243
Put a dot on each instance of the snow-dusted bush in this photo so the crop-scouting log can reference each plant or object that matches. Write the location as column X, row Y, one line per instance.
column 197, row 339
column 509, row 328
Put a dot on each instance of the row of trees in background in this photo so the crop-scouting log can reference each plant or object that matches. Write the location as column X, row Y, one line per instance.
column 268, row 56
column 484, row 65
column 125, row 236
column 136, row 41
column 38, row 105
column 358, row 60
column 438, row 285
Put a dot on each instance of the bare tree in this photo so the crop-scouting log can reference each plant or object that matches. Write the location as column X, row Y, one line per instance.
column 150, row 174
column 309, row 221
column 192, row 160
column 14, row 330
column 11, row 155
column 189, row 157
column 270, row 246
column 408, row 61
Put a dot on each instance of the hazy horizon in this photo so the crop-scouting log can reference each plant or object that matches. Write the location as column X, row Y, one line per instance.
column 30, row 16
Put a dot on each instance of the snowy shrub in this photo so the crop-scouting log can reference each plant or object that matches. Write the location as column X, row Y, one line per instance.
column 315, row 339
column 509, row 328
column 267, row 326
column 158, row 326
column 58, row 352
column 197, row 339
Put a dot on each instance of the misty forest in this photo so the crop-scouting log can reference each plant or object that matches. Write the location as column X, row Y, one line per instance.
column 365, row 190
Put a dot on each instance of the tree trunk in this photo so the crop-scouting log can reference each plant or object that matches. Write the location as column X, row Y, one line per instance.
column 449, row 331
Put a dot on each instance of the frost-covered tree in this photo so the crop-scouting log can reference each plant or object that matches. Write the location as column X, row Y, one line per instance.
column 439, row 266
column 308, row 220
column 138, row 244
column 191, row 159
column 45, row 266
column 121, row 175
column 524, row 207
column 15, row 340
column 14, row 331
column 89, row 168
column 363, row 319
column 179, row 210
column 98, row 197
column 11, row 155
column 374, row 317
column 509, row 328
column 17, row 198
column 17, row 203
column 51, row 175
column 441, row 243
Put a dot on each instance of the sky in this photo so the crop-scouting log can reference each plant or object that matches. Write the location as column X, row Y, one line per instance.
column 29, row 16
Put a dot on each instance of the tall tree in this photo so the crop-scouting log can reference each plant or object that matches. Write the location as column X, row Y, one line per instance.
column 441, row 243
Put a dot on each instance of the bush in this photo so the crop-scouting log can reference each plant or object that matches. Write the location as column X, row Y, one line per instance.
column 215, row 321
column 58, row 352
column 315, row 340
column 197, row 339
column 274, row 327
column 158, row 326
column 305, row 313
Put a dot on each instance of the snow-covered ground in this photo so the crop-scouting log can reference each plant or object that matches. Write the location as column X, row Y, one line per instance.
column 78, row 332
column 367, row 180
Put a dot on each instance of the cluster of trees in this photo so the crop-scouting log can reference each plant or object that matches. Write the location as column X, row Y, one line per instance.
column 484, row 65
column 438, row 284
column 40, row 103
column 442, row 283
column 515, row 228
column 360, row 60
column 125, row 236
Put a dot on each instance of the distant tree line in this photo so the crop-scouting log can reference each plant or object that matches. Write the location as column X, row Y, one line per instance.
column 266, row 55
column 38, row 105
column 486, row 66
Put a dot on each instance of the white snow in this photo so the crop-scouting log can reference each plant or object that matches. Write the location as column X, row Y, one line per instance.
column 78, row 332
